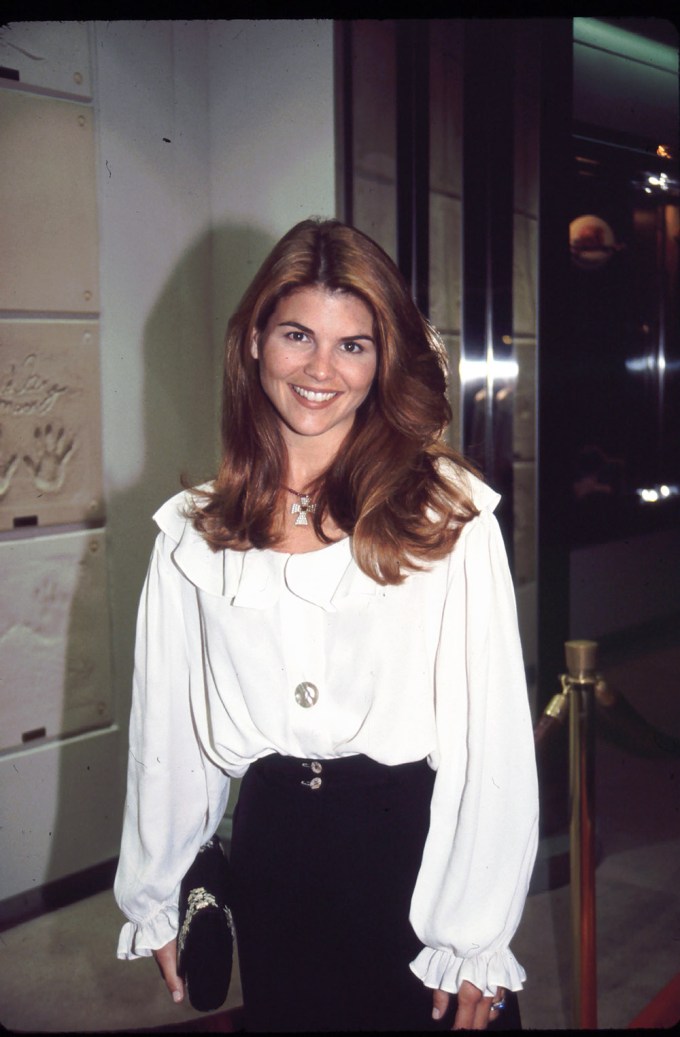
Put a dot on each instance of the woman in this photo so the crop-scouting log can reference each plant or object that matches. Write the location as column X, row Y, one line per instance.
column 333, row 620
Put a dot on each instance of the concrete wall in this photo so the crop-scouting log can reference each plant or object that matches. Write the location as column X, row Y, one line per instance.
column 212, row 139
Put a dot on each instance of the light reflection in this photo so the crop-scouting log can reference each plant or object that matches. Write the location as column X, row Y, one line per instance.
column 641, row 364
column 477, row 370
column 659, row 181
column 654, row 494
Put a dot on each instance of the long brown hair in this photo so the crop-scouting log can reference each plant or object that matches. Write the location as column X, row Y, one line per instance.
column 386, row 487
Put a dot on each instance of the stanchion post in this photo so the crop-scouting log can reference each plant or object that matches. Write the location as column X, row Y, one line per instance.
column 581, row 679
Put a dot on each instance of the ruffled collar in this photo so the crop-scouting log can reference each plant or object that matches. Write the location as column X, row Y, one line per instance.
column 324, row 577
column 255, row 579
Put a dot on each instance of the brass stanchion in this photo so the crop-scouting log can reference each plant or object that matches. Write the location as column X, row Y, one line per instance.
column 585, row 698
column 580, row 682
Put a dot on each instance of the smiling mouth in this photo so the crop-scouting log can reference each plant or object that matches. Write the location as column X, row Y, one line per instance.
column 313, row 397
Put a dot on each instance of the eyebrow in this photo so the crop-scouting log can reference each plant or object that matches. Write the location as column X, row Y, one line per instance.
column 309, row 331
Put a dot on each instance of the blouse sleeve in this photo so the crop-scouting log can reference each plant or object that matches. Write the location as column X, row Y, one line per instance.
column 176, row 796
column 481, row 846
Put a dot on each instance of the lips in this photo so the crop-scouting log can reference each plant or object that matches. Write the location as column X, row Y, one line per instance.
column 312, row 395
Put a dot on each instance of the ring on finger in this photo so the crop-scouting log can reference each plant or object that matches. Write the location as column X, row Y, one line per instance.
column 498, row 1006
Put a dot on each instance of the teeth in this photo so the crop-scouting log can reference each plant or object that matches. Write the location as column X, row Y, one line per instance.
column 315, row 397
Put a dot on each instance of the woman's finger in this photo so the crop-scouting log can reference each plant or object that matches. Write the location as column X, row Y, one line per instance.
column 483, row 1015
column 166, row 959
column 440, row 1003
column 469, row 999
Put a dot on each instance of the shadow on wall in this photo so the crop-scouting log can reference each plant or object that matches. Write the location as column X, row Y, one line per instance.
column 181, row 401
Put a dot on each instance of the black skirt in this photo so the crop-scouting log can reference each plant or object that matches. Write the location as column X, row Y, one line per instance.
column 325, row 856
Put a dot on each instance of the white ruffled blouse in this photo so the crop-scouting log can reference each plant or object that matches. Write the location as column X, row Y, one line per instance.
column 430, row 668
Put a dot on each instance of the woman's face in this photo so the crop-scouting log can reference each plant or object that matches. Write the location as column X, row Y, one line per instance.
column 317, row 359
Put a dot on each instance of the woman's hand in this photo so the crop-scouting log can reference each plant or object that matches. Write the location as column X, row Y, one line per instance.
column 474, row 1010
column 166, row 959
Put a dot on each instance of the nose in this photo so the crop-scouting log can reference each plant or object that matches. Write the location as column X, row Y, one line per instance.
column 319, row 365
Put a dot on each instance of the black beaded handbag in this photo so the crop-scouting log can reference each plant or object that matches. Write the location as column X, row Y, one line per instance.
column 205, row 942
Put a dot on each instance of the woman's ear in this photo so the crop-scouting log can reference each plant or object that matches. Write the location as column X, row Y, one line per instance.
column 253, row 346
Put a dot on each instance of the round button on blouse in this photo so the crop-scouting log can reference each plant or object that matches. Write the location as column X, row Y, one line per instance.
column 306, row 694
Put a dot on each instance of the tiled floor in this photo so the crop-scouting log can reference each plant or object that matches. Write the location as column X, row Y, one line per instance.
column 58, row 973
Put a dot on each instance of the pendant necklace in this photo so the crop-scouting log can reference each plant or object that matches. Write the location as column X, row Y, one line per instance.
column 302, row 507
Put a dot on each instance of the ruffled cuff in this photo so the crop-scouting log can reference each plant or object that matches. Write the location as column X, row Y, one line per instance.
column 442, row 970
column 139, row 939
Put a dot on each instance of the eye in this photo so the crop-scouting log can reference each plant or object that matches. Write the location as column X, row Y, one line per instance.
column 352, row 347
column 296, row 336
